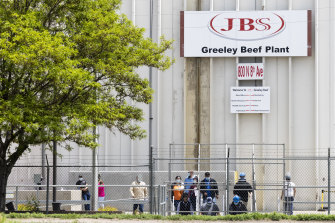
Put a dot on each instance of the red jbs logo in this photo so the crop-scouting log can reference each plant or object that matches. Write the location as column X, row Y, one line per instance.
column 233, row 27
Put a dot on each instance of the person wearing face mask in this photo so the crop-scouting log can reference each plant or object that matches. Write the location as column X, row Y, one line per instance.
column 85, row 194
column 193, row 193
column 188, row 181
column 242, row 188
column 178, row 190
column 138, row 192
column 209, row 188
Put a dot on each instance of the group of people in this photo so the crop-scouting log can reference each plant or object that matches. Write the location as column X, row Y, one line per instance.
column 138, row 191
column 186, row 195
column 85, row 193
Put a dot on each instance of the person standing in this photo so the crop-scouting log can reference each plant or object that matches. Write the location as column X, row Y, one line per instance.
column 209, row 188
column 242, row 188
column 138, row 191
column 193, row 193
column 85, row 194
column 178, row 190
column 209, row 208
column 188, row 181
column 101, row 193
column 185, row 206
column 288, row 193
column 237, row 207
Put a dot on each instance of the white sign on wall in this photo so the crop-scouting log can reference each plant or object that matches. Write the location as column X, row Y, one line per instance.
column 245, row 33
column 250, row 100
column 250, row 71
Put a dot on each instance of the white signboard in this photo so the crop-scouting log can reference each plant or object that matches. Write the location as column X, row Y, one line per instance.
column 245, row 33
column 250, row 100
column 250, row 71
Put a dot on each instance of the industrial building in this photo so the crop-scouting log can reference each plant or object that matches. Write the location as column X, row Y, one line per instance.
column 198, row 99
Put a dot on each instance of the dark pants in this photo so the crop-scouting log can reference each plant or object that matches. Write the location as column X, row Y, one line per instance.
column 86, row 197
column 140, row 207
column 193, row 200
column 176, row 202
column 288, row 205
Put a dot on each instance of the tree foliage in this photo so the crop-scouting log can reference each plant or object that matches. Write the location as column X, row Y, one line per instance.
column 67, row 66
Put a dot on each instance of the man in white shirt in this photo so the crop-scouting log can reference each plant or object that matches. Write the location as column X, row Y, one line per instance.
column 288, row 194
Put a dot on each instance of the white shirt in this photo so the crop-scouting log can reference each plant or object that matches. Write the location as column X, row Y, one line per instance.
column 289, row 189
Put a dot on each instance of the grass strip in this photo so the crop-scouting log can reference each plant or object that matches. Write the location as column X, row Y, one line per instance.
column 242, row 217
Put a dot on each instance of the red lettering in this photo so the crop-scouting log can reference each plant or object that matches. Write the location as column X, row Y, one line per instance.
column 266, row 26
column 246, row 24
column 230, row 24
column 252, row 70
column 259, row 72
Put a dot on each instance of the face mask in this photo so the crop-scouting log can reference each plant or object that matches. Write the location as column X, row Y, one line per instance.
column 81, row 179
column 208, row 178
column 236, row 203
column 194, row 181
column 178, row 181
column 138, row 179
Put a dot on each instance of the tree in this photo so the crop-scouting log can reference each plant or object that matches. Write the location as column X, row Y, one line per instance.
column 67, row 66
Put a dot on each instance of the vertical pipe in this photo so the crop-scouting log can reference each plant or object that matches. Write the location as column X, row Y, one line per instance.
column 284, row 169
column 133, row 19
column 254, row 208
column 290, row 100
column 227, row 201
column 159, row 33
column 227, row 179
column 151, row 180
column 94, row 199
column 199, row 156
column 47, row 198
column 329, row 188
column 151, row 118
column 54, row 171
column 43, row 161
column 169, row 183
column 16, row 196
column 237, row 117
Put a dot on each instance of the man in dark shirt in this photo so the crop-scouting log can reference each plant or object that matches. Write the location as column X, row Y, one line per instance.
column 242, row 188
column 85, row 194
column 237, row 207
column 209, row 188
column 185, row 206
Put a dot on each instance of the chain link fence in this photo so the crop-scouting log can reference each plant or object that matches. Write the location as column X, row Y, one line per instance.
column 264, row 165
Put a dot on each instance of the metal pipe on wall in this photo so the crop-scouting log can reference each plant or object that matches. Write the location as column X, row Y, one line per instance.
column 316, row 91
column 159, row 33
column 133, row 19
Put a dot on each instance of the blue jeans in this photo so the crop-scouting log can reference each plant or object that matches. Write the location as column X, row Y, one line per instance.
column 288, row 205
column 140, row 207
column 86, row 197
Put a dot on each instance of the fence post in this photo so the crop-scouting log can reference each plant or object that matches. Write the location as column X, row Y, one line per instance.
column 159, row 200
column 227, row 182
column 169, row 183
column 284, row 172
column 253, row 205
column 329, row 188
column 151, row 181
column 48, row 173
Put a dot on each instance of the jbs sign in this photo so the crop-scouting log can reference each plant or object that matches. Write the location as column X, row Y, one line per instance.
column 253, row 33
column 227, row 25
